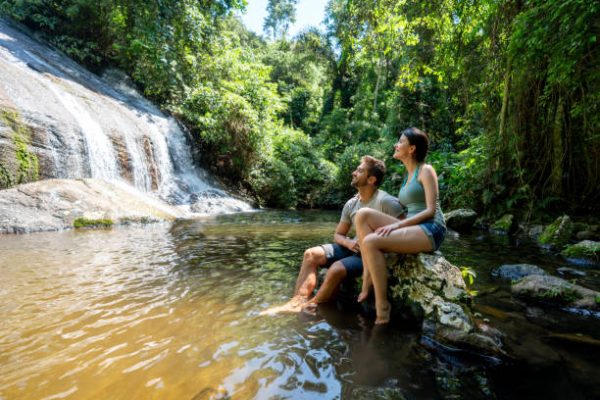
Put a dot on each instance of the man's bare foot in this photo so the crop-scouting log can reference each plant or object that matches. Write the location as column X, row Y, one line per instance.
column 293, row 306
column 310, row 308
column 362, row 296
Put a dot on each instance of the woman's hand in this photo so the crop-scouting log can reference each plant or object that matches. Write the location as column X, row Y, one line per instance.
column 387, row 229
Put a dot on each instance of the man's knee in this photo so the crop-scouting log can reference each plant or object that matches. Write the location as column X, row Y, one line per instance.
column 315, row 255
column 362, row 215
column 337, row 271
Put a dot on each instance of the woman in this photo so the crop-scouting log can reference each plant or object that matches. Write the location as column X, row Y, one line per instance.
column 423, row 228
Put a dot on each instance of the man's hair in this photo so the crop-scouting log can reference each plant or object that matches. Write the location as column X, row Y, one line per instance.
column 375, row 168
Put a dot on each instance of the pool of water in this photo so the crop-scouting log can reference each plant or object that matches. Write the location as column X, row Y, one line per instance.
column 172, row 311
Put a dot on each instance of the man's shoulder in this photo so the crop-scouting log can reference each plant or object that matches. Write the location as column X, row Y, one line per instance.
column 352, row 201
column 385, row 196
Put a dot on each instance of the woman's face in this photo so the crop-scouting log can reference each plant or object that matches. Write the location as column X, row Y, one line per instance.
column 402, row 148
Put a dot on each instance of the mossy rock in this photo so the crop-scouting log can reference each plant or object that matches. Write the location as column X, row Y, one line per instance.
column 504, row 225
column 92, row 223
column 553, row 290
column 558, row 233
column 586, row 249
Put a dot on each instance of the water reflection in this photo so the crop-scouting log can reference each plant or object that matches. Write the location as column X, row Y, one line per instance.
column 171, row 311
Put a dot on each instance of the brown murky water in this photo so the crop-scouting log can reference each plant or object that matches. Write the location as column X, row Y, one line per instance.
column 171, row 311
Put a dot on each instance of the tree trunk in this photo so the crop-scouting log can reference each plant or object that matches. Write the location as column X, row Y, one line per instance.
column 502, row 151
column 558, row 149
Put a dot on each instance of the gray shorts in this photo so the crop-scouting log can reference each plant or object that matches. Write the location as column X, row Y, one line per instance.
column 349, row 259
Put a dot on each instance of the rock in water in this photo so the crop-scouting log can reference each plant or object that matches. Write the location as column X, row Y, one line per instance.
column 556, row 291
column 558, row 233
column 515, row 272
column 432, row 290
column 460, row 220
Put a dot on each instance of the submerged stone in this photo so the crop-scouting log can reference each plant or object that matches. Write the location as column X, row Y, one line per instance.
column 515, row 272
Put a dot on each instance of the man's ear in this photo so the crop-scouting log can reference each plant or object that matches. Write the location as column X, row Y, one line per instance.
column 372, row 180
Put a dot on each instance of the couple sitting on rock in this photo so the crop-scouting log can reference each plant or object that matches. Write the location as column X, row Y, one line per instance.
column 411, row 223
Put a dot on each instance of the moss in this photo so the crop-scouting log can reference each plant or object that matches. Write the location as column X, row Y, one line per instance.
column 5, row 179
column 585, row 249
column 557, row 233
column 92, row 223
column 27, row 163
column 558, row 295
column 504, row 224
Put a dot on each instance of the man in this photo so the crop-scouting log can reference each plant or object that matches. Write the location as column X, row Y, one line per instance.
column 343, row 256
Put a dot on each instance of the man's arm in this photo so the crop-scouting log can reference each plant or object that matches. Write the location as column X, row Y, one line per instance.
column 340, row 237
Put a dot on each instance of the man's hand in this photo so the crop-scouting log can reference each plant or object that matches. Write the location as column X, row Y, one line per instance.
column 353, row 245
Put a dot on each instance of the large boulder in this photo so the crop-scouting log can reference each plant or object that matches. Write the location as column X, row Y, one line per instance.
column 461, row 220
column 515, row 272
column 431, row 290
column 558, row 233
column 57, row 204
column 555, row 291
column 586, row 250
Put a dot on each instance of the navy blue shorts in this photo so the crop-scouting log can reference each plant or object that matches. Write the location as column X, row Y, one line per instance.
column 435, row 232
column 349, row 259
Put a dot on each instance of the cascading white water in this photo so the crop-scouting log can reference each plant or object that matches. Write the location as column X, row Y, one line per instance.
column 101, row 129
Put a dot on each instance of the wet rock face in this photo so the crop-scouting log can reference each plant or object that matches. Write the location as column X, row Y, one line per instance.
column 431, row 289
column 461, row 220
column 56, row 204
column 513, row 272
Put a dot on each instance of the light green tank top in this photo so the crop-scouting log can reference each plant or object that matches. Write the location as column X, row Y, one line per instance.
column 412, row 196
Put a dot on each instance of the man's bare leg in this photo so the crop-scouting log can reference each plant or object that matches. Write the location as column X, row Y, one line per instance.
column 335, row 275
column 306, row 282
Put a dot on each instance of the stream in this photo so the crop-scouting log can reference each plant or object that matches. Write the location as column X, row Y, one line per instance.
column 171, row 310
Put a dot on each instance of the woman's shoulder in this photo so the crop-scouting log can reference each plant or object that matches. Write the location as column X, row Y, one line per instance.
column 427, row 170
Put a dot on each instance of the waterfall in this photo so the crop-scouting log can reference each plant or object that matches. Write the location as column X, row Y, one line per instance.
column 91, row 127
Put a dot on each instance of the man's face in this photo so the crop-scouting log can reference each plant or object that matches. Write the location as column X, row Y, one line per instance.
column 360, row 176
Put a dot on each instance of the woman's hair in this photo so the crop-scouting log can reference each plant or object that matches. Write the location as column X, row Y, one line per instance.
column 418, row 138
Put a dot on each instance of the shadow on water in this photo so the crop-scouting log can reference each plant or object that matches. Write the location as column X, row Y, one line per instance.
column 172, row 311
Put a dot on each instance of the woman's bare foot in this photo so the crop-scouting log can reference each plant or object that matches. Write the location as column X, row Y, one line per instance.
column 383, row 313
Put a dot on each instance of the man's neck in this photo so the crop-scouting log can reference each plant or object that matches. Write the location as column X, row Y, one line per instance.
column 366, row 192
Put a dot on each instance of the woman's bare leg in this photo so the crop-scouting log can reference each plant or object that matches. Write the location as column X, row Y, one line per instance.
column 366, row 221
column 407, row 240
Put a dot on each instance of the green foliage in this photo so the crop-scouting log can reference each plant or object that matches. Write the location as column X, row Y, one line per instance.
column 92, row 223
column 280, row 15
column 469, row 276
column 509, row 92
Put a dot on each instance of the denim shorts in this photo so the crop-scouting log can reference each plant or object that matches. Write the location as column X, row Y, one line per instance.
column 349, row 259
column 435, row 232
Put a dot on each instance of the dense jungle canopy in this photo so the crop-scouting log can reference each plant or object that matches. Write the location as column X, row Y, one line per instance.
column 509, row 91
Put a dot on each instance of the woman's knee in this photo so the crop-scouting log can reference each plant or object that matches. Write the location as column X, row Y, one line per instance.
column 362, row 215
column 370, row 242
